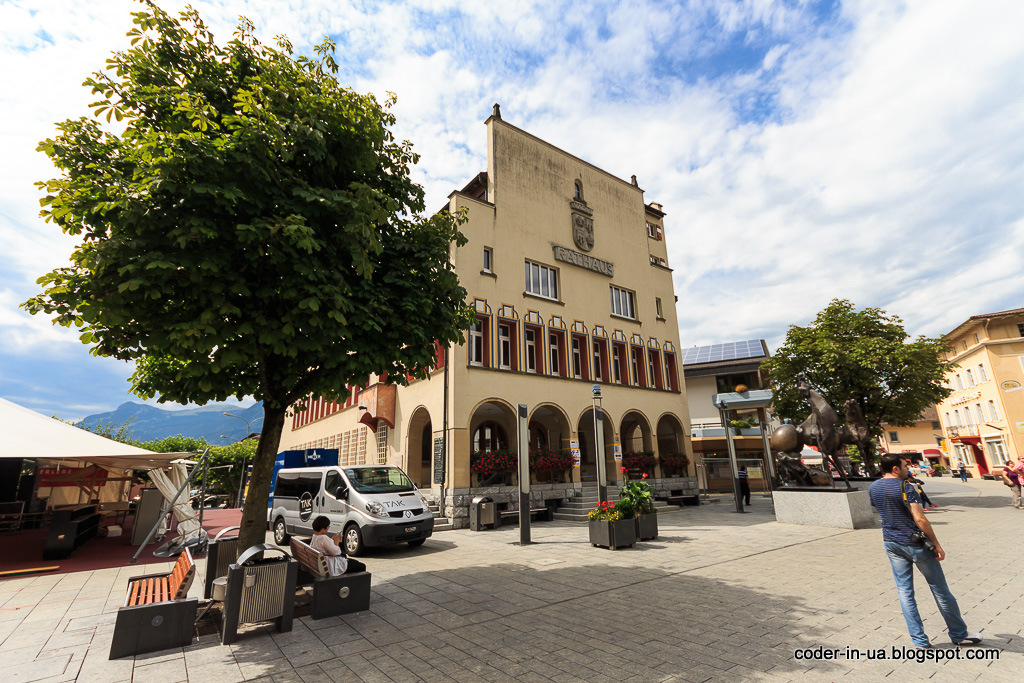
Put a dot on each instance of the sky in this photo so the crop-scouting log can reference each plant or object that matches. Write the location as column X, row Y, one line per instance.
column 871, row 150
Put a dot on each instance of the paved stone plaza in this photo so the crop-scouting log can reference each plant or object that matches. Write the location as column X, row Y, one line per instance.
column 719, row 596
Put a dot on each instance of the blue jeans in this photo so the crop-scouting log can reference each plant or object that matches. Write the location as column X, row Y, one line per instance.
column 903, row 558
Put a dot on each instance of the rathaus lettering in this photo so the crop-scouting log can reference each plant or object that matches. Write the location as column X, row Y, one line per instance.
column 584, row 261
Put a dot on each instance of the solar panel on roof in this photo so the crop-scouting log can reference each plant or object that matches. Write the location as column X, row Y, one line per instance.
column 714, row 353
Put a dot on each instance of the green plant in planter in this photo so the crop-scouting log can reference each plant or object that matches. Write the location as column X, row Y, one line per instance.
column 745, row 423
column 550, row 460
column 674, row 461
column 606, row 511
column 637, row 495
column 489, row 463
column 638, row 461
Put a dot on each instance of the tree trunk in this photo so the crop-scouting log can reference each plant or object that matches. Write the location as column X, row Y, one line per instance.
column 254, row 512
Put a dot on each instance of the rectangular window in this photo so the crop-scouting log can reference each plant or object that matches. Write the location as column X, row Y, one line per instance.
column 997, row 452
column 541, row 281
column 556, row 352
column 487, row 259
column 970, row 378
column 894, row 437
column 977, row 339
column 979, row 413
column 982, row 375
column 1020, row 329
column 382, row 442
column 964, row 342
column 617, row 363
column 505, row 346
column 949, row 420
column 623, row 303
column 993, row 411
column 476, row 344
column 657, row 306
column 956, row 381
column 577, row 358
column 598, row 362
column 636, row 360
column 670, row 372
column 531, row 349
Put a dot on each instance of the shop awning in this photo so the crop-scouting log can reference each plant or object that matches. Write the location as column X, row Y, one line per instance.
column 26, row 434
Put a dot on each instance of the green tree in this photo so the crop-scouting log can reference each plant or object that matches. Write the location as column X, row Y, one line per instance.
column 116, row 431
column 249, row 229
column 864, row 355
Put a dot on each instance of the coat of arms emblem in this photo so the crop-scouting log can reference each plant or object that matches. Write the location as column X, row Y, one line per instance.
column 583, row 232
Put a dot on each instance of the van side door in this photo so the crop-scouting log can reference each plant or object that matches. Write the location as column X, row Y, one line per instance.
column 309, row 492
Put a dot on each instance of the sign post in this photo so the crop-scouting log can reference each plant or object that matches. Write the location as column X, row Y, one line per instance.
column 524, row 475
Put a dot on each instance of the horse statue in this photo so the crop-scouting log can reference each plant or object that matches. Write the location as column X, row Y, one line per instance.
column 820, row 429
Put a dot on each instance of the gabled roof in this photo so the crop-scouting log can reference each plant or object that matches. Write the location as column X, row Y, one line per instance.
column 984, row 317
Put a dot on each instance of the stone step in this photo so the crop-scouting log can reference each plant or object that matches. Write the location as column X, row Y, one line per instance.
column 442, row 524
column 570, row 517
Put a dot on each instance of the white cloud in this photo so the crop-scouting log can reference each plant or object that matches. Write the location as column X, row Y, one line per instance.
column 871, row 151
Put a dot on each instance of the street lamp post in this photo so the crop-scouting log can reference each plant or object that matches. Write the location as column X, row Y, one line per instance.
column 245, row 460
column 602, row 466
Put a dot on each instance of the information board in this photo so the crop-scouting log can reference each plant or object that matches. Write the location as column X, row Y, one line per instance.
column 439, row 460
column 574, row 447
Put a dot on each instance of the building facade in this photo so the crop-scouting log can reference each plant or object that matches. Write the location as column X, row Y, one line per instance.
column 732, row 367
column 922, row 442
column 567, row 270
column 983, row 419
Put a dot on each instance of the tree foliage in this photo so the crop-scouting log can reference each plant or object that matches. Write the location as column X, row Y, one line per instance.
column 864, row 355
column 252, row 230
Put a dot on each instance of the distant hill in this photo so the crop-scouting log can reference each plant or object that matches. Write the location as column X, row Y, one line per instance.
column 207, row 421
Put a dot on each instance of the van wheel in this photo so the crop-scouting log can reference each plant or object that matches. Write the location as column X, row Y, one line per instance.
column 353, row 540
column 416, row 544
column 281, row 535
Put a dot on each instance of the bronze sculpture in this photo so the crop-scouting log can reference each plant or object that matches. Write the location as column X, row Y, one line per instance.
column 821, row 430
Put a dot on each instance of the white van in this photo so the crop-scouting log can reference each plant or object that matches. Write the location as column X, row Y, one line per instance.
column 373, row 504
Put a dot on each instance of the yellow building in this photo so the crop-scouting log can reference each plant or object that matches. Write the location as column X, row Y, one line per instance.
column 983, row 419
column 923, row 441
column 567, row 269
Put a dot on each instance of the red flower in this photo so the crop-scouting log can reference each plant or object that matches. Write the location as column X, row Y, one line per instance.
column 622, row 469
column 645, row 475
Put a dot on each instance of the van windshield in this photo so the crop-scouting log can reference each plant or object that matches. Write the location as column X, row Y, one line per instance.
column 378, row 479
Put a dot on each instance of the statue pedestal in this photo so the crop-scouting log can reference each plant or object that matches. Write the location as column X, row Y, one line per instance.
column 836, row 508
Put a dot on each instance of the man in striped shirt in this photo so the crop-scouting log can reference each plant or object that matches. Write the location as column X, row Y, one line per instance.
column 900, row 507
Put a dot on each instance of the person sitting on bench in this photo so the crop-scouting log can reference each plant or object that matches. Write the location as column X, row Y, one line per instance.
column 337, row 563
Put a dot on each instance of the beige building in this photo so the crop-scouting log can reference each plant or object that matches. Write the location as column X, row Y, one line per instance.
column 923, row 441
column 567, row 269
column 983, row 419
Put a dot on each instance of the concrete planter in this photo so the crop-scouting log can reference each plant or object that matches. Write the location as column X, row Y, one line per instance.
column 612, row 535
column 834, row 508
column 646, row 526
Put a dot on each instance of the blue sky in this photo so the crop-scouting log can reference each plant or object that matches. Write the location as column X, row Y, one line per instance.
column 870, row 150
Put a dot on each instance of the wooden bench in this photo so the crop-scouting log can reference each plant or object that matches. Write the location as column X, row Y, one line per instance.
column 514, row 514
column 332, row 595
column 156, row 614
column 683, row 500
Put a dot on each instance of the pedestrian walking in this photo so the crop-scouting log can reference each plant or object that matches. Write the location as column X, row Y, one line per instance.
column 963, row 470
column 910, row 542
column 744, row 485
column 1012, row 479
column 926, row 502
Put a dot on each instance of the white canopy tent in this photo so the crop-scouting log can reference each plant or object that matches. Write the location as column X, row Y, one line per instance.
column 26, row 434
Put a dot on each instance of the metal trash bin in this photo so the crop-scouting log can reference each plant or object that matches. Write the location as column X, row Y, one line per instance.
column 220, row 555
column 483, row 513
column 259, row 588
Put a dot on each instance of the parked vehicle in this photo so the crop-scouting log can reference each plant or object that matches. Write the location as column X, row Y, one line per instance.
column 374, row 505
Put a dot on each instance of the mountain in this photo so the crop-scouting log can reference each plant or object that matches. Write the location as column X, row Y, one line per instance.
column 207, row 421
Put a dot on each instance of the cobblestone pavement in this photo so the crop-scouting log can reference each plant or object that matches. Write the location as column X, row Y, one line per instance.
column 718, row 596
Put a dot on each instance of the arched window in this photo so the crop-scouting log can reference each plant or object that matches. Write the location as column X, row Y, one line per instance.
column 488, row 437
column 578, row 190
